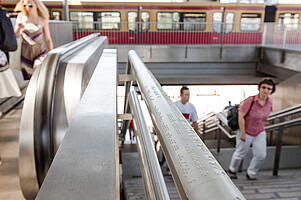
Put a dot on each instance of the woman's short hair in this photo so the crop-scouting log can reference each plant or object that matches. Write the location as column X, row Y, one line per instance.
column 268, row 81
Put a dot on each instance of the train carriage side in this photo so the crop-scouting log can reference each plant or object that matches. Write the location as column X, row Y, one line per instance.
column 247, row 27
column 170, row 23
column 288, row 20
column 165, row 23
column 104, row 18
column 180, row 23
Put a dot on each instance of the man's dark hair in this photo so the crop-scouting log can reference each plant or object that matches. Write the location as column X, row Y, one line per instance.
column 268, row 81
column 183, row 88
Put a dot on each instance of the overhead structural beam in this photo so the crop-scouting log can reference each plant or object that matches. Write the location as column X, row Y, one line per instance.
column 195, row 171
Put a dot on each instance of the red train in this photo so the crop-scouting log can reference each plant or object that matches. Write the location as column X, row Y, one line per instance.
column 174, row 23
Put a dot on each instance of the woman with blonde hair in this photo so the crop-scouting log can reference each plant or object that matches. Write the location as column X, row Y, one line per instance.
column 31, row 25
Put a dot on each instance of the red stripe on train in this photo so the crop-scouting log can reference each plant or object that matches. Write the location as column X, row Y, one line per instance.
column 177, row 38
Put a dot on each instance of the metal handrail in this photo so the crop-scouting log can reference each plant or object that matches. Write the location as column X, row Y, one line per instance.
column 208, row 115
column 194, row 169
column 279, row 125
column 280, row 114
column 155, row 187
column 284, row 114
column 284, row 110
column 222, row 118
column 288, row 123
column 36, row 136
column 86, row 165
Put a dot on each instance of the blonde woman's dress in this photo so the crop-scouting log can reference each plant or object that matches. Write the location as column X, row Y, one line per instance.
column 33, row 48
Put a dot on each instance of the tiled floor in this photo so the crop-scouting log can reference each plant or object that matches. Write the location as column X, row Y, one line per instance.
column 9, row 151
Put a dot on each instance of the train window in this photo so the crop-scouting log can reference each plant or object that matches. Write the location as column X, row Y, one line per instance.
column 145, row 21
column 84, row 19
column 250, row 21
column 229, row 22
column 217, row 22
column 109, row 20
column 194, row 21
column 168, row 20
column 56, row 15
column 133, row 19
column 290, row 20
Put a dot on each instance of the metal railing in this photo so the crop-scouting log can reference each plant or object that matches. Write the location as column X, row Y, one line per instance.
column 45, row 114
column 282, row 35
column 277, row 121
column 196, row 173
column 86, row 165
column 188, row 33
column 153, row 180
column 215, row 122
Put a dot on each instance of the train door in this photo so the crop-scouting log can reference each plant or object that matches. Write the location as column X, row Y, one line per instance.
column 138, row 25
column 222, row 27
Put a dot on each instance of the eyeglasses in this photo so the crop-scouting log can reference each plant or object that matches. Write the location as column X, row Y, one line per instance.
column 264, row 87
column 28, row 5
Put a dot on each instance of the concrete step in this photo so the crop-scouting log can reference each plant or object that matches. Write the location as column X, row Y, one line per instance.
column 133, row 188
column 225, row 143
column 285, row 186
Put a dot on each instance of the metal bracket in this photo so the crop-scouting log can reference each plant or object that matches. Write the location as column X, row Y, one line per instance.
column 125, row 116
column 126, row 77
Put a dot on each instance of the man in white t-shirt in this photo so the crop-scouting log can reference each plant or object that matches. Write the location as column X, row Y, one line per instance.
column 187, row 109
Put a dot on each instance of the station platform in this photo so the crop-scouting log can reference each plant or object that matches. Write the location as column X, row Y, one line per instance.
column 285, row 186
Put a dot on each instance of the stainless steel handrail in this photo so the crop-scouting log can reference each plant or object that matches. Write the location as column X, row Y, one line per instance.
column 284, row 114
column 86, row 165
column 211, row 114
column 284, row 110
column 153, row 180
column 274, row 116
column 36, row 132
column 196, row 173
column 288, row 123
column 44, row 105
column 280, row 124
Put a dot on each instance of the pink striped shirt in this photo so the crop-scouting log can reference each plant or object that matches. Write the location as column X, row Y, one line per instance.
column 254, row 122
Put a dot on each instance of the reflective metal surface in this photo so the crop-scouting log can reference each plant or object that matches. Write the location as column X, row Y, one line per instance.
column 86, row 165
column 72, row 79
column 43, row 131
column 195, row 171
column 153, row 180
column 27, row 168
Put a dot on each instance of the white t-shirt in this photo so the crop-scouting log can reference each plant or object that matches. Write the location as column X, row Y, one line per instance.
column 188, row 110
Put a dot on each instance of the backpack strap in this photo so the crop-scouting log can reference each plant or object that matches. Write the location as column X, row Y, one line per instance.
column 250, row 106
